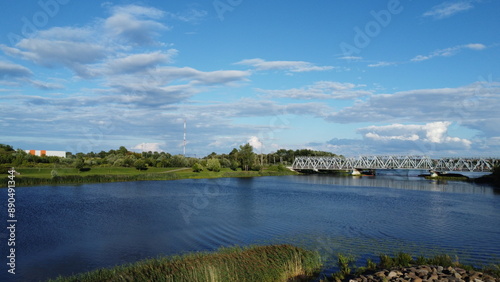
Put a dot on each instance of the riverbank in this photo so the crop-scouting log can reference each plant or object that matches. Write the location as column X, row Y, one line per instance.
column 256, row 263
column 404, row 267
column 287, row 263
column 62, row 175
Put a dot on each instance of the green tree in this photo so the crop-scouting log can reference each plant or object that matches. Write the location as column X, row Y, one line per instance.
column 122, row 150
column 246, row 156
column 197, row 167
column 213, row 165
column 79, row 163
column 234, row 165
column 179, row 161
column 140, row 165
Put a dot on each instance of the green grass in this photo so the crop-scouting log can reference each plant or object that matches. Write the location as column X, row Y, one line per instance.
column 256, row 263
column 42, row 176
column 45, row 172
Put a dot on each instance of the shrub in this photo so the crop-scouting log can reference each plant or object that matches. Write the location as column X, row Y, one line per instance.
column 403, row 259
column 234, row 165
column 344, row 264
column 140, row 165
column 213, row 165
column 256, row 167
column 197, row 167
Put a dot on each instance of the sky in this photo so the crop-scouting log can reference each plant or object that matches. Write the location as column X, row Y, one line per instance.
column 349, row 77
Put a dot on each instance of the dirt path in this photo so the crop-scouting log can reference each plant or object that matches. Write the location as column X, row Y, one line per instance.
column 174, row 170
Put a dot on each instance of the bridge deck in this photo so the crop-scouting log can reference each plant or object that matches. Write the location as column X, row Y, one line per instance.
column 396, row 162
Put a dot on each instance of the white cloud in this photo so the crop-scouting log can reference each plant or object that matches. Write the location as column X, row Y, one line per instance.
column 9, row 70
column 135, row 24
column 448, row 52
column 255, row 142
column 292, row 66
column 147, row 147
column 351, row 58
column 434, row 132
column 381, row 64
column 46, row 85
column 321, row 90
column 474, row 106
column 448, row 9
column 138, row 62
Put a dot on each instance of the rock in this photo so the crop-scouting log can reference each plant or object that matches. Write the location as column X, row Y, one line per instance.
column 425, row 273
column 434, row 276
column 380, row 274
column 422, row 273
column 392, row 274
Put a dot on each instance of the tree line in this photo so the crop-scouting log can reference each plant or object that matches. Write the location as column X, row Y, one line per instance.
column 243, row 157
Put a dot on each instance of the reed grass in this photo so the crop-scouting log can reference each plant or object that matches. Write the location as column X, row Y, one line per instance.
column 255, row 263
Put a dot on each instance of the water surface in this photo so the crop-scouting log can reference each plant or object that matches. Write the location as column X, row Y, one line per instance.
column 69, row 229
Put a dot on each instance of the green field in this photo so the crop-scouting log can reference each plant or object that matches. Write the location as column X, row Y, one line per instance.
column 62, row 175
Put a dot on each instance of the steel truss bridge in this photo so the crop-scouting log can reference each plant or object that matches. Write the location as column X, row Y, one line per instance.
column 395, row 162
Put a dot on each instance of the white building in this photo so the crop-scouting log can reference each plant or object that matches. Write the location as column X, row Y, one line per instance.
column 42, row 153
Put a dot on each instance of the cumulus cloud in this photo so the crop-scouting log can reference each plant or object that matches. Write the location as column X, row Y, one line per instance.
column 448, row 9
column 292, row 66
column 431, row 139
column 474, row 106
column 434, row 132
column 321, row 90
column 255, row 142
column 148, row 147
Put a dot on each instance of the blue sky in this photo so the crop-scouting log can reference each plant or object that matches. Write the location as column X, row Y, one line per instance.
column 350, row 77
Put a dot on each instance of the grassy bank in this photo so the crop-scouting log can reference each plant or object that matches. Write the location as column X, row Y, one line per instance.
column 47, row 176
column 257, row 263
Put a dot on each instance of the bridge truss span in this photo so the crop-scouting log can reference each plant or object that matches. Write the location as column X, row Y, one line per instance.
column 395, row 162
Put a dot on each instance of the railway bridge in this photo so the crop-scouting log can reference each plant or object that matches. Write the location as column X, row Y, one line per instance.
column 395, row 162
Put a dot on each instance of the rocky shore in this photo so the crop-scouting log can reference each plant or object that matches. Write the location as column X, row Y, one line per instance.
column 424, row 273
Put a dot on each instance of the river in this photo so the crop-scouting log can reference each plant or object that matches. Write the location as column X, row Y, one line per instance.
column 69, row 229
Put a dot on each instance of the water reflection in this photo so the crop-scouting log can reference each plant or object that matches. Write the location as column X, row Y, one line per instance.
column 399, row 182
